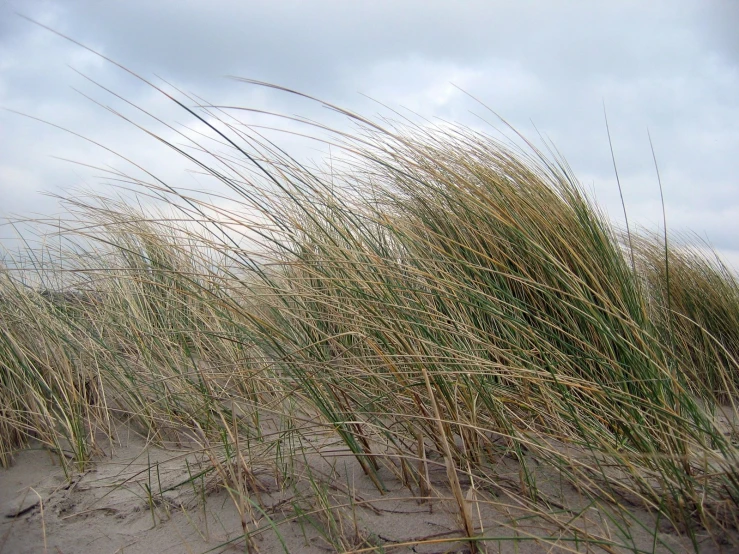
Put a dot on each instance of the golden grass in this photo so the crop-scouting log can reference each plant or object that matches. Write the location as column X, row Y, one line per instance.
column 444, row 297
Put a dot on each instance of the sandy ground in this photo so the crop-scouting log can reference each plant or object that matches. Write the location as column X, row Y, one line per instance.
column 107, row 509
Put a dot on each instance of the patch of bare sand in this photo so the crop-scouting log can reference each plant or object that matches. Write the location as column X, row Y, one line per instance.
column 108, row 509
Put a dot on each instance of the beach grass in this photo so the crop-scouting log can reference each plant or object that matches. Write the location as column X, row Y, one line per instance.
column 438, row 299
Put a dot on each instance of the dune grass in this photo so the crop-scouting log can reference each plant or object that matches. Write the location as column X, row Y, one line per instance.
column 438, row 298
column 698, row 319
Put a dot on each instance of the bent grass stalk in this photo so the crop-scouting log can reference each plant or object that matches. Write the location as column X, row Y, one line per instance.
column 435, row 295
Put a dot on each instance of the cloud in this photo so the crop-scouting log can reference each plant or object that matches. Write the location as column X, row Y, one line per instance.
column 547, row 67
column 719, row 20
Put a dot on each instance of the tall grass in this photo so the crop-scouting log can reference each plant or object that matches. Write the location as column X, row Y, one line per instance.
column 703, row 295
column 49, row 378
column 441, row 297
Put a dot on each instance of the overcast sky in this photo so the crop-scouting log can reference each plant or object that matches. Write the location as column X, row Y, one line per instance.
column 671, row 66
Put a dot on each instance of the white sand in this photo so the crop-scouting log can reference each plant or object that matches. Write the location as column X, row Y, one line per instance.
column 106, row 510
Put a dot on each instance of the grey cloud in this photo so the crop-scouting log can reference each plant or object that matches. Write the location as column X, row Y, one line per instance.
column 667, row 65
column 313, row 43
column 720, row 19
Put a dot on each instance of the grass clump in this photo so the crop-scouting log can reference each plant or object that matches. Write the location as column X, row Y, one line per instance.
column 49, row 381
column 440, row 301
column 697, row 313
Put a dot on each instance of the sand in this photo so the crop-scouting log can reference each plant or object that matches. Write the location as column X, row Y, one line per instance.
column 107, row 509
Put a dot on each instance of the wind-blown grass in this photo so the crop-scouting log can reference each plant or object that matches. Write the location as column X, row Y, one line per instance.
column 703, row 296
column 443, row 298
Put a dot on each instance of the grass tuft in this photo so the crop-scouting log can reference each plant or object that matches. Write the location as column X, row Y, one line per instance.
column 437, row 300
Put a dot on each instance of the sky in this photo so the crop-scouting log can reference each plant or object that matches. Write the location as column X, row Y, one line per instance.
column 547, row 67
